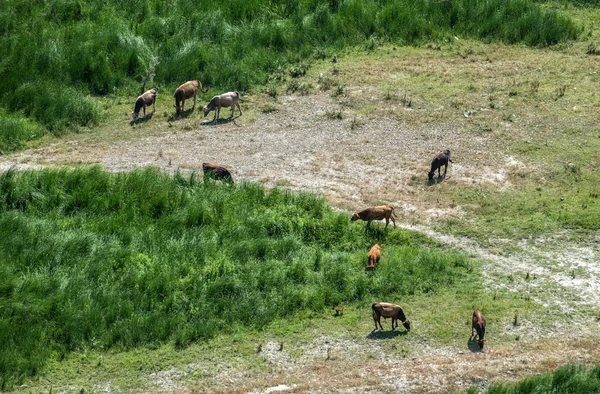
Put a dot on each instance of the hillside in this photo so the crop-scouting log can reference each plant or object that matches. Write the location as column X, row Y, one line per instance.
column 124, row 280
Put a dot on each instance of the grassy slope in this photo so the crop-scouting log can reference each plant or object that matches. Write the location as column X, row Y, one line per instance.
column 72, row 49
column 568, row 64
column 105, row 261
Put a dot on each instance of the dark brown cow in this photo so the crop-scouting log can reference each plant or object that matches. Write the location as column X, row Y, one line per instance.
column 439, row 160
column 148, row 98
column 216, row 172
column 479, row 327
column 375, row 213
column 186, row 91
column 373, row 256
column 389, row 310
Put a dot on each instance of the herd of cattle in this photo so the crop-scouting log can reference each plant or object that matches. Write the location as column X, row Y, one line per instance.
column 187, row 91
column 231, row 99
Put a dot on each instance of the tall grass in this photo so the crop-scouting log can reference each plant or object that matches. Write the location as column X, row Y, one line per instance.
column 92, row 259
column 71, row 49
column 570, row 379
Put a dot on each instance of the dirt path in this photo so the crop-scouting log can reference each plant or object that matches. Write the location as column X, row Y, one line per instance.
column 356, row 162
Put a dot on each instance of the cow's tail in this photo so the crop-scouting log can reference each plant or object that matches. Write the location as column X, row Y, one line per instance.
column 203, row 91
column 393, row 214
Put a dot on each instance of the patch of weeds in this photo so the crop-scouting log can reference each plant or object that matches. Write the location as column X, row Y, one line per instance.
column 338, row 91
column 389, row 95
column 326, row 82
column 507, row 117
column 592, row 48
column 293, row 86
column 492, row 101
column 355, row 124
column 272, row 91
column 334, row 115
column 481, row 128
column 559, row 92
column 268, row 108
column 572, row 168
column 298, row 70
column 534, row 86
column 321, row 54
column 472, row 88
column 406, row 100
column 283, row 183
column 335, row 71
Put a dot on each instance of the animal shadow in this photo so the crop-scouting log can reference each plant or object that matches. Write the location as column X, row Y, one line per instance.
column 219, row 121
column 142, row 119
column 386, row 334
column 435, row 180
column 473, row 346
column 182, row 115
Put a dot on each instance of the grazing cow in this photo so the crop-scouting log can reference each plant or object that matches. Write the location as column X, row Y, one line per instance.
column 439, row 160
column 216, row 172
column 186, row 91
column 373, row 256
column 389, row 310
column 229, row 99
column 148, row 98
column 375, row 213
column 479, row 327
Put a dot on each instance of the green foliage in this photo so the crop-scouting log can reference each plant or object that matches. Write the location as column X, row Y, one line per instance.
column 100, row 260
column 571, row 379
column 56, row 53
column 15, row 130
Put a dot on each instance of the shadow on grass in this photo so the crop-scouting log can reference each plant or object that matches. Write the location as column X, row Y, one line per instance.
column 436, row 180
column 142, row 119
column 385, row 334
column 182, row 115
column 220, row 121
column 473, row 346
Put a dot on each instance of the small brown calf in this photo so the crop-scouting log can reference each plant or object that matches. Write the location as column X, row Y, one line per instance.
column 374, row 256
column 478, row 326
column 389, row 310
column 216, row 172
column 375, row 213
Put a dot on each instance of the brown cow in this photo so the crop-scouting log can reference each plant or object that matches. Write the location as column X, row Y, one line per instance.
column 439, row 160
column 479, row 327
column 375, row 213
column 147, row 98
column 373, row 256
column 186, row 91
column 229, row 99
column 216, row 172
column 389, row 310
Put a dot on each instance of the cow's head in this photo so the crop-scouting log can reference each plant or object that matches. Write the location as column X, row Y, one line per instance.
column 206, row 110
column 354, row 217
column 135, row 115
column 481, row 342
column 430, row 175
column 406, row 324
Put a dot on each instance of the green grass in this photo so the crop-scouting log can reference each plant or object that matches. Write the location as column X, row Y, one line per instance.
column 571, row 379
column 116, row 261
column 58, row 55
